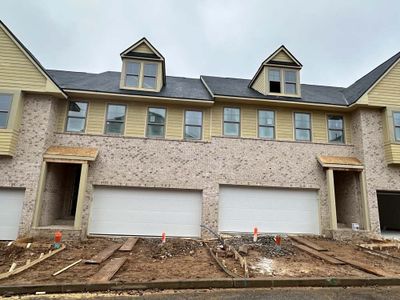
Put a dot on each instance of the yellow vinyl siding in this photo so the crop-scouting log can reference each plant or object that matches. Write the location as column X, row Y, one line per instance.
column 347, row 129
column 319, row 127
column 174, row 122
column 217, row 111
column 248, row 121
column 8, row 142
column 96, row 117
column 259, row 83
column 282, row 56
column 143, row 48
column 16, row 70
column 392, row 153
column 387, row 91
column 136, row 119
column 284, row 124
column 206, row 124
column 62, row 116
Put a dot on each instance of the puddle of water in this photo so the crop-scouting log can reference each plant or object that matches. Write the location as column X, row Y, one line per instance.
column 264, row 266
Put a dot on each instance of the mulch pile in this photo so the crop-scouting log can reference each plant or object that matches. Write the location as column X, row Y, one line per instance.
column 173, row 247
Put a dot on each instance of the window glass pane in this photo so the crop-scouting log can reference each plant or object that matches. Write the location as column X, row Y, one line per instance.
column 302, row 120
column 116, row 112
column 303, row 135
column 77, row 109
column 149, row 82
column 274, row 87
column 3, row 119
column 396, row 133
column 274, row 75
column 336, row 136
column 133, row 68
column 150, row 70
column 335, row 122
column 155, row 130
column 76, row 125
column 132, row 80
column 266, row 132
column 231, row 129
column 231, row 114
column 156, row 115
column 114, row 127
column 266, row 117
column 290, row 88
column 192, row 132
column 396, row 118
column 193, row 117
column 5, row 102
column 290, row 76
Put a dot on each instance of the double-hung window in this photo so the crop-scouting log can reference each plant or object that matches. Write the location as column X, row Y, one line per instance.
column 149, row 76
column 5, row 107
column 132, row 75
column 274, row 78
column 266, row 124
column 76, row 118
column 290, row 82
column 335, row 129
column 115, row 122
column 302, row 126
column 231, row 121
column 193, row 124
column 156, row 122
column 396, row 124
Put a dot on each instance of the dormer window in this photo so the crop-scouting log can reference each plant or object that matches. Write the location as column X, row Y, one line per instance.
column 290, row 82
column 149, row 76
column 141, row 75
column 132, row 74
column 274, row 77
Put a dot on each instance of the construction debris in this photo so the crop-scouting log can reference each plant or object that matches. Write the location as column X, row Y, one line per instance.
column 364, row 267
column 103, row 255
column 308, row 243
column 319, row 254
column 129, row 244
column 380, row 246
column 67, row 267
column 109, row 270
column 221, row 264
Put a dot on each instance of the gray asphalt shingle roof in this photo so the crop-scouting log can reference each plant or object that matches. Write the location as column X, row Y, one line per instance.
column 194, row 89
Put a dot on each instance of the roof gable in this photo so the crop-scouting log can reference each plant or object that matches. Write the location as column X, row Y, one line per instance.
column 143, row 49
column 282, row 56
column 19, row 60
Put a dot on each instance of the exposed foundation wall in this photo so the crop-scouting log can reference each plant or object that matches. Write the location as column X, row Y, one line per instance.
column 347, row 194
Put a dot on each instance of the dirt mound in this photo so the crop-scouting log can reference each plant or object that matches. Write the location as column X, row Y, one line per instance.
column 265, row 245
column 172, row 247
column 9, row 253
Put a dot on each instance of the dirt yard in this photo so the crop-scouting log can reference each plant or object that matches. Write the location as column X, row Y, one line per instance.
column 188, row 259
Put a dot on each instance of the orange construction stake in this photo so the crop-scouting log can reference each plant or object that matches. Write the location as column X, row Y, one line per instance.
column 255, row 234
column 163, row 238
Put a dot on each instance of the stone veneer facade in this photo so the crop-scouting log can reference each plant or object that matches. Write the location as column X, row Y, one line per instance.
column 141, row 162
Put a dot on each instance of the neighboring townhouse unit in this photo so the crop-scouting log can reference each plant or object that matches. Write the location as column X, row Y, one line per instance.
column 138, row 152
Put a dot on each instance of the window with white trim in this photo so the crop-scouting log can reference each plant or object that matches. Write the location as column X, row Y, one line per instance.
column 193, row 124
column 231, row 121
column 141, row 75
column 156, row 122
column 335, row 129
column 396, row 124
column 76, row 118
column 266, row 124
column 290, row 82
column 5, row 108
column 302, row 125
column 115, row 122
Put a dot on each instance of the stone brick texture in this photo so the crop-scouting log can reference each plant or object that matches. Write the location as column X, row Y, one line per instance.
column 141, row 162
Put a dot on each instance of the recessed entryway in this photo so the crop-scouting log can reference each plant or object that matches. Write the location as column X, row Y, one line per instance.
column 11, row 201
column 389, row 212
column 145, row 211
column 271, row 210
column 60, row 195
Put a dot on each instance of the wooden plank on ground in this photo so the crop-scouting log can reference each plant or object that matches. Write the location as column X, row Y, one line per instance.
column 32, row 263
column 128, row 245
column 220, row 264
column 103, row 255
column 109, row 270
column 308, row 243
column 364, row 267
column 381, row 245
column 318, row 254
column 67, row 267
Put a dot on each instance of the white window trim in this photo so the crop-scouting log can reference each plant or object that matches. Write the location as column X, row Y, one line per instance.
column 240, row 122
column 282, row 77
column 141, row 75
column 201, row 126
column 258, row 124
column 9, row 109
column 67, row 117
column 106, row 119
column 343, row 129
column 147, row 123
column 294, row 126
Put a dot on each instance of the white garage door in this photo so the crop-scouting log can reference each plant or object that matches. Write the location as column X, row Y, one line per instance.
column 270, row 210
column 149, row 212
column 10, row 212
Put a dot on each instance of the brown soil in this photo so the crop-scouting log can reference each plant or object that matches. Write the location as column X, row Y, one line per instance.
column 187, row 259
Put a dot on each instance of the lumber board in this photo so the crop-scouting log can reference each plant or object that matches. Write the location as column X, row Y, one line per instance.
column 103, row 255
column 378, row 253
column 67, row 267
column 381, row 245
column 32, row 263
column 364, row 267
column 308, row 243
column 109, row 270
column 129, row 244
column 220, row 264
column 318, row 254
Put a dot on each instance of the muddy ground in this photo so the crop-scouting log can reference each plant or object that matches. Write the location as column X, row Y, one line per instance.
column 188, row 259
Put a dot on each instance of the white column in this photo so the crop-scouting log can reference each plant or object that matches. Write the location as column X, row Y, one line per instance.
column 331, row 198
column 39, row 195
column 364, row 202
column 81, row 195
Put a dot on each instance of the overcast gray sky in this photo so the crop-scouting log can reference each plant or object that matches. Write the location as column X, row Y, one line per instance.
column 337, row 41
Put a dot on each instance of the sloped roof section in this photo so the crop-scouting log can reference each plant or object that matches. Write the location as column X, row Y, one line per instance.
column 142, row 48
column 361, row 86
column 108, row 82
column 237, row 87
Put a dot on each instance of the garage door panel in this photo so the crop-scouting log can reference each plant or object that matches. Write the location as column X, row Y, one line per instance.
column 11, row 201
column 137, row 211
column 271, row 210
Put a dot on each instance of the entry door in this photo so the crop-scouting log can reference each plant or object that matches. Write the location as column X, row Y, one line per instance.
column 148, row 212
column 11, row 201
column 271, row 210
